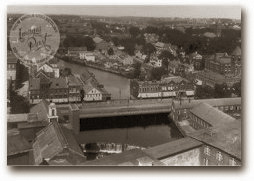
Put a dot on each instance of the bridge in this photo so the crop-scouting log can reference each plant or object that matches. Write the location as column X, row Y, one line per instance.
column 120, row 108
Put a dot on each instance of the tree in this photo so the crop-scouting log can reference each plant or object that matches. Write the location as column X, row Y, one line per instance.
column 167, row 55
column 82, row 95
column 137, row 70
column 134, row 31
column 110, row 51
column 237, row 88
column 79, row 41
column 157, row 73
column 222, row 91
column 65, row 72
column 19, row 104
column 165, row 64
column 149, row 49
column 204, row 92
column 22, row 75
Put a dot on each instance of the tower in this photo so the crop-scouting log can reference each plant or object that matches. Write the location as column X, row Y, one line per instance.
column 52, row 112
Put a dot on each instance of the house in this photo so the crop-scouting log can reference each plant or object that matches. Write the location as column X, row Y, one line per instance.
column 210, row 78
column 76, row 51
column 128, row 60
column 88, row 56
column 93, row 91
column 159, row 45
column 50, row 69
column 12, row 63
column 56, row 145
column 155, row 62
column 51, row 89
column 75, row 86
column 196, row 60
column 11, row 66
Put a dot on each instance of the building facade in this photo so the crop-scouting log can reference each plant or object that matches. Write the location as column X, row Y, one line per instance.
column 168, row 87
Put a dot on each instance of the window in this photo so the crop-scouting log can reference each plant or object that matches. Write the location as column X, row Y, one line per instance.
column 232, row 162
column 219, row 156
column 205, row 161
column 207, row 151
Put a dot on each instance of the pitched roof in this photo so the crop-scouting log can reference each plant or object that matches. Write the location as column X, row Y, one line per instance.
column 56, row 83
column 174, row 147
column 73, row 81
column 34, row 83
column 16, row 143
column 225, row 137
column 237, row 51
column 211, row 115
column 209, row 35
column 53, row 140
column 41, row 109
column 176, row 79
column 97, row 39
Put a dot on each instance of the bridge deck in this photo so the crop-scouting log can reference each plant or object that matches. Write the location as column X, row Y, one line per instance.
column 121, row 109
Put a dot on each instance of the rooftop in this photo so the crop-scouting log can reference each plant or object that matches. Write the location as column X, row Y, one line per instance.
column 213, row 102
column 174, row 147
column 237, row 51
column 224, row 137
column 16, row 143
column 53, row 140
column 211, row 115
column 41, row 109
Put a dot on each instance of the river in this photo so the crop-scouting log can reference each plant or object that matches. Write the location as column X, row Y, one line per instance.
column 117, row 86
column 140, row 130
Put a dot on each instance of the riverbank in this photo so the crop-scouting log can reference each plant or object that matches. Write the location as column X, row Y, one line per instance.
column 95, row 66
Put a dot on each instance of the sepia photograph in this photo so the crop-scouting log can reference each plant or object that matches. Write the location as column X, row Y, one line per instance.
column 126, row 85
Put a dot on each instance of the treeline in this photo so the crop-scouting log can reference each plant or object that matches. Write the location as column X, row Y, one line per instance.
column 79, row 41
column 219, row 91
column 192, row 40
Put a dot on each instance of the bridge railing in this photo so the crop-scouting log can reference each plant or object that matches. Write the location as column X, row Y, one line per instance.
column 126, row 102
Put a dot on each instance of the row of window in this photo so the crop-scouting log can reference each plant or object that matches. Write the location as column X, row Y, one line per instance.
column 93, row 95
column 229, row 108
column 11, row 66
column 218, row 157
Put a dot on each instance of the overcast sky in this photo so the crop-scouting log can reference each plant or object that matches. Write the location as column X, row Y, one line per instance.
column 233, row 12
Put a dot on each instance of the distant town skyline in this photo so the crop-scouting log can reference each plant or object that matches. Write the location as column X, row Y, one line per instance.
column 231, row 12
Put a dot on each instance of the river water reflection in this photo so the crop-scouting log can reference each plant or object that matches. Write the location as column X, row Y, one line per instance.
column 117, row 86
